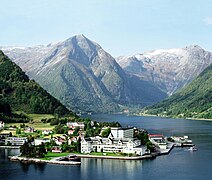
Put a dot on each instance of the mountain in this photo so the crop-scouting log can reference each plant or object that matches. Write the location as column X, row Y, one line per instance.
column 194, row 100
column 169, row 70
column 18, row 93
column 83, row 76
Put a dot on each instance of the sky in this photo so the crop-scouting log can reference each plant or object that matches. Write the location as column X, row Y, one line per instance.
column 121, row 27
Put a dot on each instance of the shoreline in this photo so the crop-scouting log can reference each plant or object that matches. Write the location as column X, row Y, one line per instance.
column 38, row 161
column 115, row 157
column 56, row 161
column 189, row 118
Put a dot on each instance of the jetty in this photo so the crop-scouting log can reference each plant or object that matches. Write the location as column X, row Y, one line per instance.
column 35, row 160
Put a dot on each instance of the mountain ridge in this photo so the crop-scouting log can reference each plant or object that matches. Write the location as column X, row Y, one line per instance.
column 83, row 73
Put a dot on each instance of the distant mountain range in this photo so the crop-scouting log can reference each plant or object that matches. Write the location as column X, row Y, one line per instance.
column 18, row 93
column 84, row 77
column 169, row 70
column 194, row 100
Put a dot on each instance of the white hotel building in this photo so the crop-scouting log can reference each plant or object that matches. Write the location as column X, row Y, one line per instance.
column 120, row 140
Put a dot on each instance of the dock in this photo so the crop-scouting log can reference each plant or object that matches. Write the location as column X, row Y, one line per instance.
column 168, row 150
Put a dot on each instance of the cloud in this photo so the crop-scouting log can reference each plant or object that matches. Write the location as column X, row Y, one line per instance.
column 208, row 20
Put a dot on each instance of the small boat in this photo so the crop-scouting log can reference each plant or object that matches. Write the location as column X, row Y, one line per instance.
column 193, row 148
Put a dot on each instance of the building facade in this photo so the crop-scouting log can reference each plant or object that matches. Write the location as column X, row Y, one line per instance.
column 39, row 141
column 158, row 140
column 16, row 141
column 112, row 145
column 118, row 132
column 74, row 125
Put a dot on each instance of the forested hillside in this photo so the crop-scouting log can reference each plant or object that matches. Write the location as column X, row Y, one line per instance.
column 195, row 100
column 18, row 93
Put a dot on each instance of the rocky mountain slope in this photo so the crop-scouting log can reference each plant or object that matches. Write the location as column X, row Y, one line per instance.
column 169, row 70
column 194, row 100
column 83, row 76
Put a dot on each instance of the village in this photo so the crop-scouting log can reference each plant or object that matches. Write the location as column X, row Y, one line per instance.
column 120, row 142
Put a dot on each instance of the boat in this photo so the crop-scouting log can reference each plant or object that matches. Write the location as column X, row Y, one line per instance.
column 193, row 148
column 187, row 144
column 182, row 141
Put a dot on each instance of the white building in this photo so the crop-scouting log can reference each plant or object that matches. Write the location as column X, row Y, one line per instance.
column 47, row 132
column 74, row 125
column 158, row 140
column 115, row 145
column 118, row 132
column 1, row 125
column 16, row 141
column 40, row 141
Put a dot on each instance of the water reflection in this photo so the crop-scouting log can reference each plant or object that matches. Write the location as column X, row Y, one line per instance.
column 39, row 167
column 24, row 167
column 179, row 164
column 11, row 152
column 103, row 167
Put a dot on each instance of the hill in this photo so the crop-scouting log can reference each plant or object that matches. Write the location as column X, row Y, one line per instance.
column 193, row 101
column 18, row 93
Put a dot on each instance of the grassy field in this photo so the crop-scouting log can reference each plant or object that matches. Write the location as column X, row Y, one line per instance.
column 37, row 117
column 51, row 155
column 36, row 126
column 35, row 123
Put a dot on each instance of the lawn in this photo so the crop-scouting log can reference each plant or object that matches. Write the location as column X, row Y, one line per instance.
column 36, row 126
column 35, row 123
column 51, row 155
column 37, row 117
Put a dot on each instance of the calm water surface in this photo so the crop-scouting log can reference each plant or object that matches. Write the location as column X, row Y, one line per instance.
column 180, row 164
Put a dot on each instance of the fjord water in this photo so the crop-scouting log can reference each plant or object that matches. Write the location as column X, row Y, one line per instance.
column 179, row 164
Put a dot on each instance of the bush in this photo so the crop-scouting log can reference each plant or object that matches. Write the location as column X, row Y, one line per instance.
column 54, row 122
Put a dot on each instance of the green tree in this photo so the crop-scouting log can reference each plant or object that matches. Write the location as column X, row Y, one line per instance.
column 106, row 132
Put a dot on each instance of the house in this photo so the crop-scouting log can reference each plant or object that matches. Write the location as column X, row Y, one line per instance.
column 158, row 140
column 59, row 140
column 29, row 130
column 114, row 145
column 70, row 132
column 47, row 132
column 16, row 141
column 73, row 139
column 56, row 149
column 39, row 141
column 1, row 125
column 74, row 125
